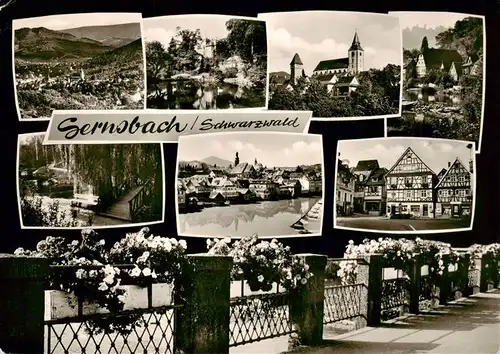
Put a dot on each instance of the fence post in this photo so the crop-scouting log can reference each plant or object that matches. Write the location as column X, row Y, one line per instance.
column 484, row 278
column 22, row 300
column 476, row 279
column 202, row 323
column 463, row 271
column 445, row 283
column 375, row 282
column 307, row 304
column 362, row 277
column 415, row 274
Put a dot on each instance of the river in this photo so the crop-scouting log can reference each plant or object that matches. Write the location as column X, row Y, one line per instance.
column 417, row 94
column 266, row 218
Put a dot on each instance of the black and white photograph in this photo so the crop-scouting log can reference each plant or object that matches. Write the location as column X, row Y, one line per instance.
column 205, row 62
column 443, row 76
column 400, row 185
column 336, row 64
column 240, row 184
column 78, row 61
column 86, row 185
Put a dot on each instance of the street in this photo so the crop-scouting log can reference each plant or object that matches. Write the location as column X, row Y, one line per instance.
column 382, row 223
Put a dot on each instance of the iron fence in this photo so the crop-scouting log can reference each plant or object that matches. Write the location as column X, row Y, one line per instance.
column 342, row 302
column 154, row 334
column 426, row 292
column 394, row 297
column 257, row 317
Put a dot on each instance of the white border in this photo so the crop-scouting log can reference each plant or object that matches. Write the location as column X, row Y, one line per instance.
column 139, row 21
column 176, row 112
column 416, row 232
column 479, row 144
column 298, row 135
column 83, row 227
column 226, row 17
column 356, row 118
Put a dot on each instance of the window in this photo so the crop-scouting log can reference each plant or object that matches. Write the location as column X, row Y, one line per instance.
column 453, row 178
column 461, row 193
column 423, row 194
column 461, row 178
column 408, row 194
column 415, row 208
column 440, row 192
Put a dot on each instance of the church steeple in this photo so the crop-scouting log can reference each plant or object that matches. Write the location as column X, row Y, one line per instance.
column 296, row 69
column 236, row 160
column 356, row 57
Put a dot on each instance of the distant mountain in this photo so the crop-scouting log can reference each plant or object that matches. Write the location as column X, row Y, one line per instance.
column 214, row 160
column 412, row 38
column 45, row 44
column 127, row 53
column 111, row 35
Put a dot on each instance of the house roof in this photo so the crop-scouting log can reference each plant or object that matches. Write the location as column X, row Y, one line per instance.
column 434, row 57
column 378, row 173
column 409, row 149
column 296, row 60
column 345, row 80
column 471, row 60
column 366, row 165
column 356, row 44
column 330, row 64
column 343, row 168
column 324, row 77
column 457, row 161
column 240, row 168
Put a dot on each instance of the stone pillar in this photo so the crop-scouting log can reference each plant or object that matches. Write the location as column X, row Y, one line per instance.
column 202, row 324
column 375, row 279
column 476, row 279
column 307, row 304
column 463, row 271
column 415, row 274
column 362, row 277
column 485, row 276
column 23, row 302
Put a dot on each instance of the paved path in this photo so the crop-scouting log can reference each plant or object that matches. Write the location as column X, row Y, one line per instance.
column 466, row 326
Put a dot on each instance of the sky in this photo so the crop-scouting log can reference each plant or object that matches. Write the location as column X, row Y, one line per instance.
column 163, row 28
column 322, row 35
column 435, row 153
column 60, row 22
column 428, row 19
column 270, row 149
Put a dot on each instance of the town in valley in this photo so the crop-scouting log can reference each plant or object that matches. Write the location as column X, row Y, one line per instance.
column 406, row 195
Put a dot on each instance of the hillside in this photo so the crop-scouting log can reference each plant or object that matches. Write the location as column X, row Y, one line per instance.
column 127, row 53
column 112, row 35
column 45, row 44
column 214, row 160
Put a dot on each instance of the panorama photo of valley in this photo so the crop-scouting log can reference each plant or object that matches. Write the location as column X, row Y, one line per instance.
column 78, row 61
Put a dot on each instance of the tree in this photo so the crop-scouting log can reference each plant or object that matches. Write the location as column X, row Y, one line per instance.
column 466, row 37
column 247, row 38
column 425, row 45
column 155, row 66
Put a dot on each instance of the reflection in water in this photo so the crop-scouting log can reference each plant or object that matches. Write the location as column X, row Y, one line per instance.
column 267, row 218
column 441, row 97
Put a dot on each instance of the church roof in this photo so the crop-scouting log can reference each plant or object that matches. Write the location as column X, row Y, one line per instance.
column 340, row 63
column 345, row 80
column 434, row 57
column 239, row 168
column 356, row 44
column 325, row 77
column 296, row 60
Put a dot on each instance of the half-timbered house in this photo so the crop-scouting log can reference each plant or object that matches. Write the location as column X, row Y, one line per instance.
column 410, row 184
column 375, row 192
column 362, row 173
column 454, row 191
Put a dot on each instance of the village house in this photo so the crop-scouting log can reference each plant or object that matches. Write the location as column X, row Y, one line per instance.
column 225, row 186
column 471, row 65
column 454, row 191
column 361, row 173
column 181, row 194
column 345, row 190
column 375, row 192
column 264, row 189
column 293, row 187
column 447, row 60
column 410, row 185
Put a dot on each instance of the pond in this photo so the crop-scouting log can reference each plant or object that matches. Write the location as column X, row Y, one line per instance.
column 419, row 94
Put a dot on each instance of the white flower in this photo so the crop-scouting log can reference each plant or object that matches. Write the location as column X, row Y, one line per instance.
column 102, row 242
column 93, row 273
column 19, row 251
column 146, row 272
column 121, row 298
column 303, row 281
column 306, row 267
column 80, row 273
column 227, row 240
column 74, row 243
column 260, row 278
column 103, row 287
column 184, row 244
column 135, row 272
column 153, row 275
column 109, row 279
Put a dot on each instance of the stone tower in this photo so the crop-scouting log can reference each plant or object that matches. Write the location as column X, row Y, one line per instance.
column 296, row 69
column 356, row 56
column 236, row 160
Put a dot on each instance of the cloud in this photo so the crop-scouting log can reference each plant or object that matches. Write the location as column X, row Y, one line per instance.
column 158, row 34
column 443, row 147
column 244, row 149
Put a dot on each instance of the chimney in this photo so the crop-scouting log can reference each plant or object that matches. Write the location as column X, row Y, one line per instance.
column 449, row 164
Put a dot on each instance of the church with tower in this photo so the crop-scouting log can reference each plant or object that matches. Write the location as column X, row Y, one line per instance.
column 339, row 75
